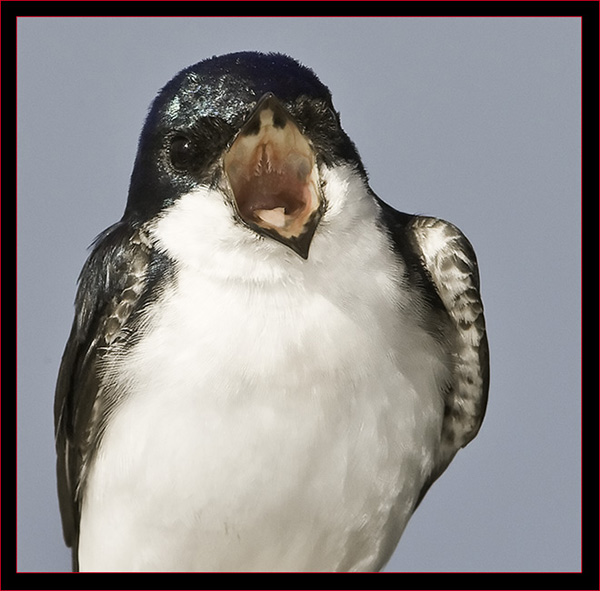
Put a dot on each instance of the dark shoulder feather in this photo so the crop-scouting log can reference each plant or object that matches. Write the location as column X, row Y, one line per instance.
column 110, row 288
column 443, row 263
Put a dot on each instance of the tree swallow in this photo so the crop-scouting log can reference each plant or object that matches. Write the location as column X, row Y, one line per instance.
column 268, row 365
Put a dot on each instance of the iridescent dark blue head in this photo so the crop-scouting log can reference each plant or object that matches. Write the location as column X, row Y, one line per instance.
column 228, row 86
column 196, row 116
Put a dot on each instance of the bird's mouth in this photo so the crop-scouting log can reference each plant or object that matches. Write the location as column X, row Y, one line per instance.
column 272, row 172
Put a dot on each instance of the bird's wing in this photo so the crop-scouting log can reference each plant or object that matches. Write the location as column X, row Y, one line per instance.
column 440, row 257
column 111, row 285
column 450, row 261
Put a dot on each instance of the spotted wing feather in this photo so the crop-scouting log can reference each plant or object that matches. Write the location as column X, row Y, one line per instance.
column 450, row 262
column 110, row 289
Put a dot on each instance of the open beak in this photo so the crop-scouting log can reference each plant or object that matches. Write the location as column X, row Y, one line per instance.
column 272, row 172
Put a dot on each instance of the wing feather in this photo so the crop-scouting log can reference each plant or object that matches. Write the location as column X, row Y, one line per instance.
column 450, row 262
column 110, row 289
column 440, row 263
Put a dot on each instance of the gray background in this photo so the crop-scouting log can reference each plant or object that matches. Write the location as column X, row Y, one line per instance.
column 476, row 120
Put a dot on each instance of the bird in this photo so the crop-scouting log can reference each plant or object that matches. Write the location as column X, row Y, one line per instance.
column 268, row 365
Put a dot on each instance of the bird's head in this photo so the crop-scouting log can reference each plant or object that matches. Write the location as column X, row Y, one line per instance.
column 256, row 128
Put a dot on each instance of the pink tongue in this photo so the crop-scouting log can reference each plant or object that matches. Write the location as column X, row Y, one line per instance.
column 272, row 217
column 270, row 191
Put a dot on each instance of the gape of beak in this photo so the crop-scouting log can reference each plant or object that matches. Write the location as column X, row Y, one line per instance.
column 272, row 172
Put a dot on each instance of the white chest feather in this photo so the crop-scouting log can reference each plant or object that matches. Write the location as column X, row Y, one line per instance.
column 280, row 414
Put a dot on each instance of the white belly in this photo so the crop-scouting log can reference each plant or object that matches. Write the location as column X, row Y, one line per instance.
column 281, row 425
column 297, row 441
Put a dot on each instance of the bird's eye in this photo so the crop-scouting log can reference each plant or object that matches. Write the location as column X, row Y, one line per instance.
column 182, row 152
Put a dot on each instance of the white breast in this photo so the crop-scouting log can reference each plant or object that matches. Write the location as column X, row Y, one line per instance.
column 281, row 414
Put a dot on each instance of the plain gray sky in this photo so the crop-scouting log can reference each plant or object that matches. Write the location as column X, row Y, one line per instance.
column 475, row 120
